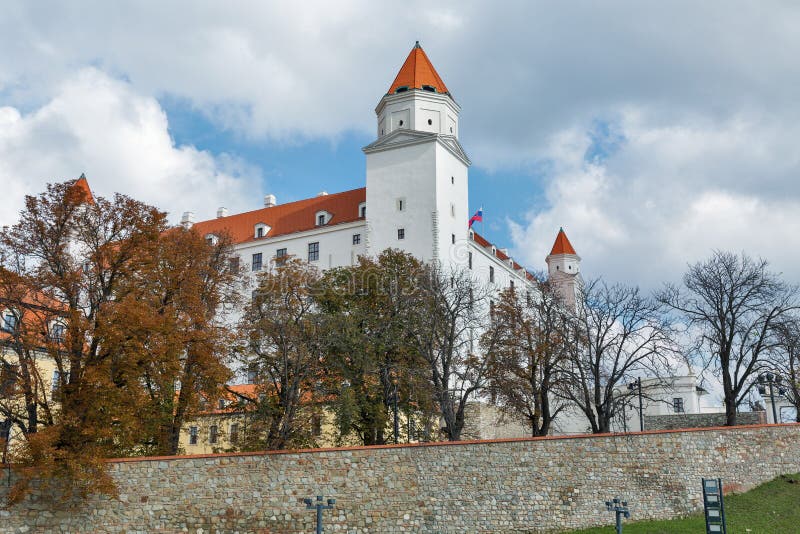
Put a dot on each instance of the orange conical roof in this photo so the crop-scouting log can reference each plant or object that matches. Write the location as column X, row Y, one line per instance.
column 81, row 188
column 562, row 244
column 416, row 72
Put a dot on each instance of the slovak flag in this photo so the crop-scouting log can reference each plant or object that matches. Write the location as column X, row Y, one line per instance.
column 477, row 217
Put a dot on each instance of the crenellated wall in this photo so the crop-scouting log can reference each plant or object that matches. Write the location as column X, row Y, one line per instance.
column 522, row 485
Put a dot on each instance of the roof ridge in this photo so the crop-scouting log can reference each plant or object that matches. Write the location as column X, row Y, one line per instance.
column 286, row 204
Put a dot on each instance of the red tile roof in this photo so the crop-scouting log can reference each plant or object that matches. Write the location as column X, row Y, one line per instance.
column 287, row 218
column 482, row 241
column 418, row 71
column 562, row 244
column 81, row 188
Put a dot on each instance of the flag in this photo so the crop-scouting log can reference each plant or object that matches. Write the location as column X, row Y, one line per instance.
column 477, row 217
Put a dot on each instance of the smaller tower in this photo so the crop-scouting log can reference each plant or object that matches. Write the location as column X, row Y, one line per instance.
column 564, row 267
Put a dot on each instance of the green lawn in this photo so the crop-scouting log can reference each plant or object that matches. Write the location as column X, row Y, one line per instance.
column 771, row 508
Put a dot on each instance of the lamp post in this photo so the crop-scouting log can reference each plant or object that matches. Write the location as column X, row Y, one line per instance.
column 320, row 506
column 769, row 380
column 620, row 508
column 638, row 386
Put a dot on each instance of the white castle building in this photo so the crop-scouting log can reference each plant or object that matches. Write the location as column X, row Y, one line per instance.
column 416, row 199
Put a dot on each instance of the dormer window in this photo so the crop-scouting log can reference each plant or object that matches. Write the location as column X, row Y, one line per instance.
column 322, row 218
column 401, row 89
column 472, row 235
column 57, row 331
column 362, row 210
column 494, row 250
column 261, row 230
column 430, row 88
column 211, row 239
column 9, row 321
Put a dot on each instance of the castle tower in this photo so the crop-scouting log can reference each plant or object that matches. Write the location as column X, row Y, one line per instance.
column 417, row 190
column 563, row 267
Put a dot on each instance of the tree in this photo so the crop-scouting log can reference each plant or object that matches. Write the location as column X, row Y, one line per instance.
column 617, row 333
column 526, row 346
column 786, row 360
column 175, row 342
column 367, row 307
column 733, row 305
column 284, row 344
column 452, row 309
column 78, row 251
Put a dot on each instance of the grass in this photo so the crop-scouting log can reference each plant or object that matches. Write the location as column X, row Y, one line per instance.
column 771, row 508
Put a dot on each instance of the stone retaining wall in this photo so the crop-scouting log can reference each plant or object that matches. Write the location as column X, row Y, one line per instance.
column 522, row 485
column 700, row 420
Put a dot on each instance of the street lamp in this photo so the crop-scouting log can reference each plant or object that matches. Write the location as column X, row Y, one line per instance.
column 620, row 508
column 770, row 379
column 633, row 386
column 310, row 505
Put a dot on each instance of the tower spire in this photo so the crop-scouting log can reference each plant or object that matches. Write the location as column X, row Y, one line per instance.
column 417, row 72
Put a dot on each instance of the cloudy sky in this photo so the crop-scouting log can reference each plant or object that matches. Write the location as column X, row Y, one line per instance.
column 652, row 132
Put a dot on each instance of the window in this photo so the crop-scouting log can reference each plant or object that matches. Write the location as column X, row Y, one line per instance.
column 9, row 322
column 511, row 284
column 234, row 432
column 401, row 233
column 469, row 259
column 57, row 379
column 192, row 435
column 677, row 405
column 401, row 204
column 452, row 210
column 252, row 373
column 401, row 122
column 453, row 238
column 430, row 122
column 213, row 434
column 233, row 263
column 430, row 88
column 356, row 239
column 57, row 332
column 257, row 262
column 452, row 178
column 362, row 210
column 280, row 256
column 321, row 220
column 261, row 230
column 316, row 425
column 491, row 274
column 221, row 404
column 313, row 251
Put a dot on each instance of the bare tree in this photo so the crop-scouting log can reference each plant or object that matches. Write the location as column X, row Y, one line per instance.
column 525, row 347
column 454, row 310
column 617, row 334
column 787, row 360
column 733, row 305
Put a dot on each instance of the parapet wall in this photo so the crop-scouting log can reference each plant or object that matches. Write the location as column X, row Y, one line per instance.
column 700, row 420
column 522, row 485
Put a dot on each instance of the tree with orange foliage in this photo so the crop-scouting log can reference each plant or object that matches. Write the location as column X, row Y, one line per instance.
column 139, row 307
column 175, row 342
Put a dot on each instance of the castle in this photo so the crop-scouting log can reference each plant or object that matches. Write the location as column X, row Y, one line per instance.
column 416, row 199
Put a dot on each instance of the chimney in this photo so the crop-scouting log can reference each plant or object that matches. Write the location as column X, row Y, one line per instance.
column 270, row 201
column 187, row 219
column 322, row 194
column 504, row 251
column 222, row 212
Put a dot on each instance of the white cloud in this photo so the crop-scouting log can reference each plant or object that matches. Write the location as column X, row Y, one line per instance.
column 670, row 194
column 101, row 126
column 703, row 96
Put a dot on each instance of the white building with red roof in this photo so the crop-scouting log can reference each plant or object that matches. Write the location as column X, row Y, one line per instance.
column 416, row 197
